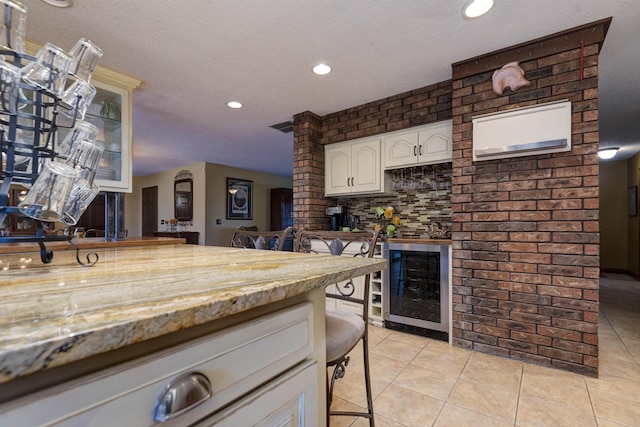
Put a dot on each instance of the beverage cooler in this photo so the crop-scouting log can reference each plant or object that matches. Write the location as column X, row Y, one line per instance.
column 416, row 288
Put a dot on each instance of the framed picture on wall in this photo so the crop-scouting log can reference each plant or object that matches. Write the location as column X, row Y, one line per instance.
column 239, row 199
column 632, row 200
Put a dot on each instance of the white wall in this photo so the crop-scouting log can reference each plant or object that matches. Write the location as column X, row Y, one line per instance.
column 220, row 234
column 164, row 181
column 209, row 200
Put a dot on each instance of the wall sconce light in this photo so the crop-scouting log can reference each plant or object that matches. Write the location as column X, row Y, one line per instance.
column 476, row 8
column 607, row 153
column 233, row 190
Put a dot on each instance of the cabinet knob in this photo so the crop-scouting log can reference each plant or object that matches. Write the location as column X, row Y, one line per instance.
column 182, row 394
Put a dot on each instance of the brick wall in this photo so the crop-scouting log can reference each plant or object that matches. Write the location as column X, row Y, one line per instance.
column 311, row 132
column 525, row 229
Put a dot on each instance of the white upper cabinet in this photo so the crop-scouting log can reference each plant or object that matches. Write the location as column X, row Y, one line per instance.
column 421, row 145
column 354, row 168
column 111, row 113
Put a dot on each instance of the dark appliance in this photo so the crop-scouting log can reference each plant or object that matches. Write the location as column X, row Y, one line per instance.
column 415, row 288
column 339, row 217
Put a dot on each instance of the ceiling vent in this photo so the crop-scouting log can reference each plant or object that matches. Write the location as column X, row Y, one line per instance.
column 285, row 127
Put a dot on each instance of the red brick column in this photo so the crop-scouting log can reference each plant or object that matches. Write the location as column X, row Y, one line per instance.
column 308, row 173
column 525, row 229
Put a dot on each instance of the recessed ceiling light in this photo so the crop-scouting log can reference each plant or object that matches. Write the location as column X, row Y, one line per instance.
column 234, row 104
column 476, row 8
column 59, row 3
column 321, row 69
column 607, row 153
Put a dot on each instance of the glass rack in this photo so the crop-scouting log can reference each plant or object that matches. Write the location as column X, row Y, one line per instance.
column 28, row 138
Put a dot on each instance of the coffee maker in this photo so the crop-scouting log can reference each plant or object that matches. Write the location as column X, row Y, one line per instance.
column 339, row 217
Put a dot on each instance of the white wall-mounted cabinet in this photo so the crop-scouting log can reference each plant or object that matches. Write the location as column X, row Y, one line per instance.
column 421, row 145
column 526, row 131
column 353, row 168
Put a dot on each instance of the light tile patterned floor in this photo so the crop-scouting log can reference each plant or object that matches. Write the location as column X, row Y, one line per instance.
column 422, row 382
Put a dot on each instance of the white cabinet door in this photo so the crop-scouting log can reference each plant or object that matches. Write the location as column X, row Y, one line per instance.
column 401, row 149
column 290, row 400
column 365, row 166
column 354, row 168
column 419, row 146
column 337, row 177
column 435, row 143
column 109, row 112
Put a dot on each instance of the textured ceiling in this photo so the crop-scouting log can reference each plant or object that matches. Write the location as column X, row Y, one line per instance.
column 195, row 55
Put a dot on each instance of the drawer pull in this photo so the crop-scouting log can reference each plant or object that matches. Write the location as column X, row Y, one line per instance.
column 181, row 395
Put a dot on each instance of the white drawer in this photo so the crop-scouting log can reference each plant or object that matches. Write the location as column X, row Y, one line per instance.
column 290, row 400
column 235, row 360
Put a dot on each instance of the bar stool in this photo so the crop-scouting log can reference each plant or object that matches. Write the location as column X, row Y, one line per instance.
column 344, row 329
column 250, row 239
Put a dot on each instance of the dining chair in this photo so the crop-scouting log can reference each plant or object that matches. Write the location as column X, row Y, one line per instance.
column 249, row 239
column 344, row 329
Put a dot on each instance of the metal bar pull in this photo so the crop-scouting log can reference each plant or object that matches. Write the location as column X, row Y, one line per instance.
column 181, row 395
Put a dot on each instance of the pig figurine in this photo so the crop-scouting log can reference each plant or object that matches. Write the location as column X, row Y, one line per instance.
column 510, row 75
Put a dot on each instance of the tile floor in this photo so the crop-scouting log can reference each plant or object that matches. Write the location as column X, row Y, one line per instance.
column 422, row 382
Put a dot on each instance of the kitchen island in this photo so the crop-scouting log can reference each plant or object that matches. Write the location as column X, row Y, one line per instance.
column 156, row 312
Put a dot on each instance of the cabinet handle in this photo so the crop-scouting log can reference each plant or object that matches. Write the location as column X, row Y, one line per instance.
column 420, row 150
column 414, row 151
column 182, row 394
column 352, row 184
column 348, row 182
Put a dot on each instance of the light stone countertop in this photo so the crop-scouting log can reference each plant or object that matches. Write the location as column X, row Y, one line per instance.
column 58, row 313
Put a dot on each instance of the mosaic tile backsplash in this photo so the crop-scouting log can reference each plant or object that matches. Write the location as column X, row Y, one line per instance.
column 422, row 200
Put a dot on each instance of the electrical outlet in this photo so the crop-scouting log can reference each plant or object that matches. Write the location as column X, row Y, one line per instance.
column 162, row 222
column 218, row 221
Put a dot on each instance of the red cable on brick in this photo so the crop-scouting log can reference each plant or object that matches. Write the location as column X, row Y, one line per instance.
column 581, row 59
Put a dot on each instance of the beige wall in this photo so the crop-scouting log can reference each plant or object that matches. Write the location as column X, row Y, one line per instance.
column 164, row 181
column 209, row 200
column 220, row 235
column 613, row 215
column 633, row 222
